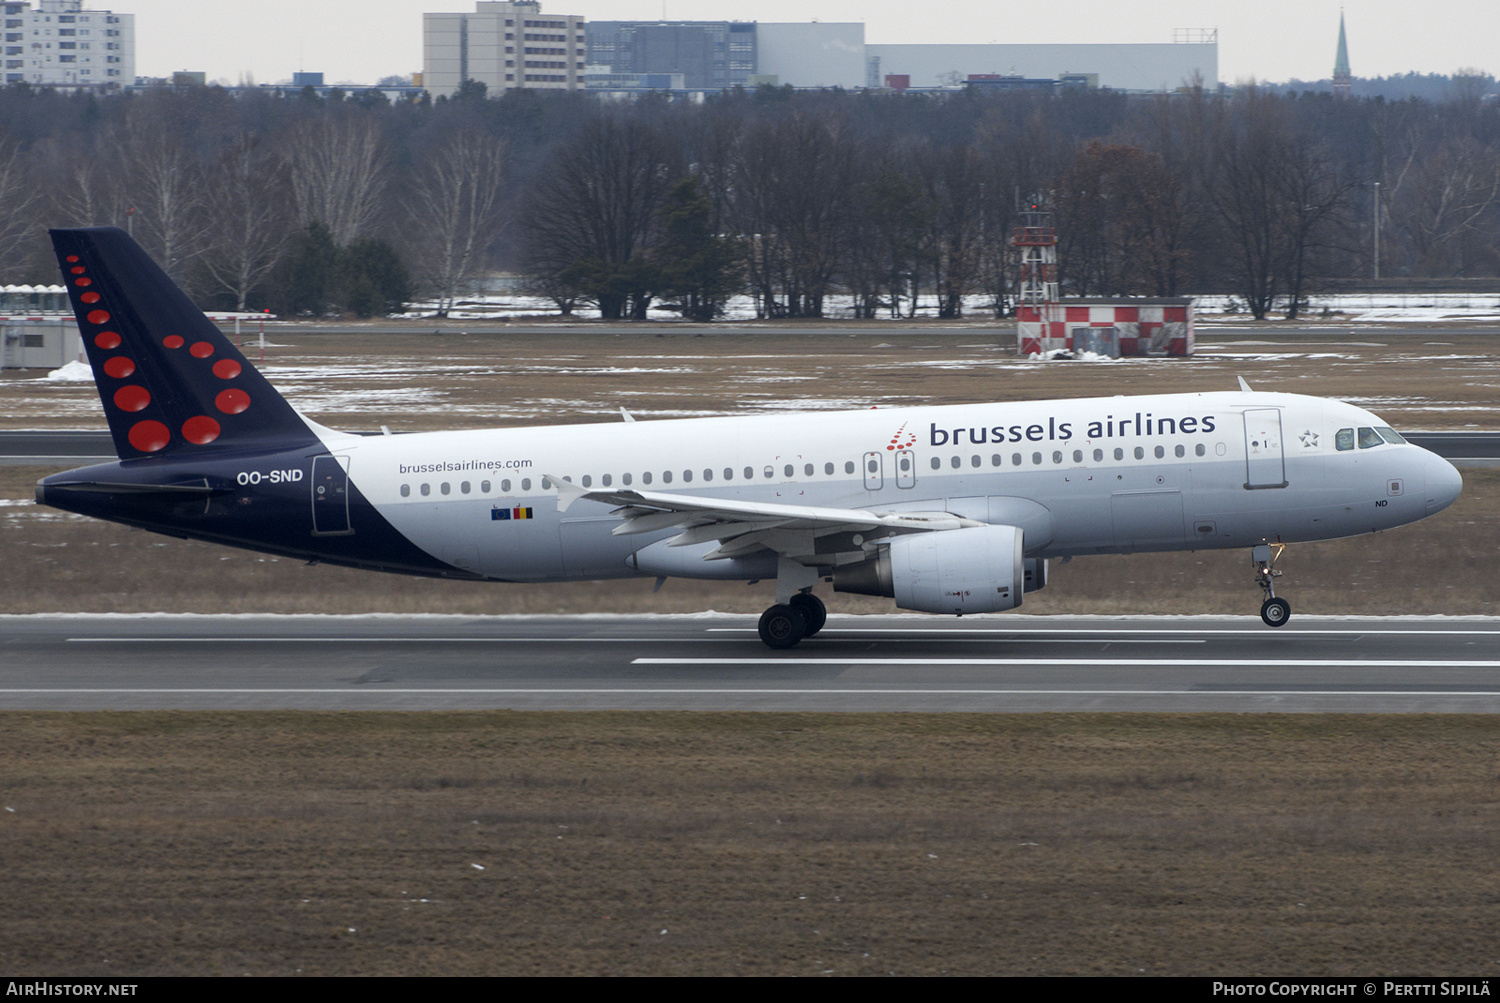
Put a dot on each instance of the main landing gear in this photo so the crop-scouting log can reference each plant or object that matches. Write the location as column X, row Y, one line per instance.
column 1274, row 611
column 784, row 624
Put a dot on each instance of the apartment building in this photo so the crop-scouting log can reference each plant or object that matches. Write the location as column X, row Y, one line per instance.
column 504, row 46
column 58, row 43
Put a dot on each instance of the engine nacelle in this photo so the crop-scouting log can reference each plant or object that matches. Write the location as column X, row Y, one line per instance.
column 976, row 570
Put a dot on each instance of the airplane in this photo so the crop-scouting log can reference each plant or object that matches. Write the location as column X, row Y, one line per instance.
column 954, row 509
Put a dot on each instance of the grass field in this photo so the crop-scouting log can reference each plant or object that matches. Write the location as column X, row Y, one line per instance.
column 504, row 843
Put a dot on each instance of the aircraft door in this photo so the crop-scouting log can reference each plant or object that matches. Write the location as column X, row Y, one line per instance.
column 330, row 496
column 1265, row 463
column 906, row 468
column 874, row 471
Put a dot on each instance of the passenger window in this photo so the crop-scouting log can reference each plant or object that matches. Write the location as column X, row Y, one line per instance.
column 770, row 470
column 1199, row 450
column 464, row 487
column 729, row 473
column 1056, row 456
column 956, row 462
column 1015, row 459
column 426, row 490
column 1140, row 453
column 807, row 470
column 505, row 486
column 588, row 482
column 1161, row 451
column 708, row 475
column 1369, row 438
column 1180, row 452
column 828, row 469
column 406, row 491
column 1077, row 456
column 666, row 477
column 1036, row 458
column 687, row 476
column 791, row 471
column 974, row 460
column 625, row 479
column 1098, row 456
column 995, row 460
column 484, row 487
column 445, row 488
column 526, row 484
column 606, row 480
column 646, row 477
column 849, row 465
column 749, row 473
column 1119, row 453
column 937, row 464
column 1343, row 439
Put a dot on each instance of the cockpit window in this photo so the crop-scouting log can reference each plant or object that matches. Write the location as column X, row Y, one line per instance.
column 1390, row 435
column 1369, row 438
column 1344, row 439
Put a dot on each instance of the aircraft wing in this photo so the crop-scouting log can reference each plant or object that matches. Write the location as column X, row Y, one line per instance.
column 742, row 527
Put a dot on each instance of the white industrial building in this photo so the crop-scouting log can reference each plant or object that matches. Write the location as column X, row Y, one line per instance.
column 713, row 55
column 1126, row 66
column 57, row 43
column 503, row 46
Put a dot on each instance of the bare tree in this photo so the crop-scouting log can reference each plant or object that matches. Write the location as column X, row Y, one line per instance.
column 163, row 183
column 18, row 198
column 1444, row 192
column 594, row 212
column 252, row 224
column 338, row 171
column 457, row 212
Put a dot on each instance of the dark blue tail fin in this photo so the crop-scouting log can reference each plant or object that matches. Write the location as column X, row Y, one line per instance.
column 171, row 384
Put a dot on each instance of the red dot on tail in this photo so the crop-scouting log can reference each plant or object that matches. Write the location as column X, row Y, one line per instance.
column 132, row 398
column 226, row 369
column 232, row 401
column 98, row 317
column 77, row 269
column 172, row 341
column 891, row 449
column 149, row 436
column 84, row 281
column 119, row 367
column 107, row 340
column 72, row 257
column 90, row 297
column 200, row 430
column 201, row 350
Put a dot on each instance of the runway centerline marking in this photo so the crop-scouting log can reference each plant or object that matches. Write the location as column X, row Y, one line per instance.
column 541, row 640
column 1421, row 663
column 732, row 691
column 1126, row 631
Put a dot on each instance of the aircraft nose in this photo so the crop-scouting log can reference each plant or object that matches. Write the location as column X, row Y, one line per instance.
column 1443, row 483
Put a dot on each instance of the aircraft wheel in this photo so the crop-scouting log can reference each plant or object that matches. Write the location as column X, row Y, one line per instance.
column 813, row 611
column 782, row 626
column 1275, row 612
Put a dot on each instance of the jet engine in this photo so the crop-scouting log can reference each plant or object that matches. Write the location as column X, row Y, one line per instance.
column 975, row 570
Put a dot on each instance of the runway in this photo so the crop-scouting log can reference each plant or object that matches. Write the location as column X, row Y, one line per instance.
column 713, row 662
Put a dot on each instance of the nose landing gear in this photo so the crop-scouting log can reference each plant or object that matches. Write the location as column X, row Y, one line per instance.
column 1274, row 611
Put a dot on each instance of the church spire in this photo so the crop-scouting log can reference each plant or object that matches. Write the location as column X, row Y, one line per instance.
column 1343, row 80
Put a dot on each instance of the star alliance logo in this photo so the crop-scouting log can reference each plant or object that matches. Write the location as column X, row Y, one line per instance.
column 1309, row 439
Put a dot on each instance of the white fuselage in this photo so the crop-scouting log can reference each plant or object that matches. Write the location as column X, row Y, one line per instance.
column 1091, row 476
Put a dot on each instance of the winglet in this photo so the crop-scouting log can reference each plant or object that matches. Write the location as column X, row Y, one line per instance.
column 567, row 492
column 1243, row 385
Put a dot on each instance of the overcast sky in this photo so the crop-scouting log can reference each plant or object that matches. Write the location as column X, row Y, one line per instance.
column 1272, row 40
